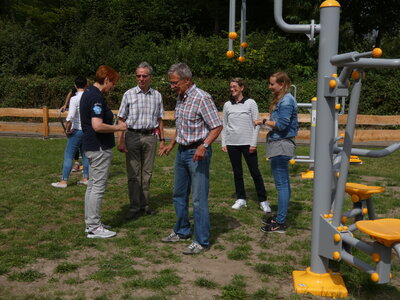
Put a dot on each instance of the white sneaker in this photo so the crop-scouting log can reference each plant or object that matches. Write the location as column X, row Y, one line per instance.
column 101, row 232
column 59, row 185
column 239, row 204
column 265, row 206
column 104, row 226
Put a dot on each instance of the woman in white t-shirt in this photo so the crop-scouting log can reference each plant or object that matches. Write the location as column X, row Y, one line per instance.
column 75, row 136
column 239, row 138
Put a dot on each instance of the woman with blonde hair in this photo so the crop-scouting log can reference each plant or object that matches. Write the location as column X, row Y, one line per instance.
column 281, row 145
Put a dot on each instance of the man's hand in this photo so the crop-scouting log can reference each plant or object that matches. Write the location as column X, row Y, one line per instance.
column 225, row 149
column 161, row 149
column 200, row 153
column 122, row 148
column 252, row 149
column 166, row 149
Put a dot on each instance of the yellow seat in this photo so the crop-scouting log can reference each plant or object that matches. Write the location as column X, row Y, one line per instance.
column 385, row 231
column 355, row 160
column 359, row 191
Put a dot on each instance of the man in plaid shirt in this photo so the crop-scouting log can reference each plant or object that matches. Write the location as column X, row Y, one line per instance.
column 197, row 125
column 142, row 109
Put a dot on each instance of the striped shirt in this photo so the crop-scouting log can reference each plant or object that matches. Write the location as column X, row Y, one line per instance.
column 141, row 110
column 238, row 119
column 196, row 114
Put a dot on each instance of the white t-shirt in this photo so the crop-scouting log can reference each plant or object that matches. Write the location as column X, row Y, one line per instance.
column 73, row 113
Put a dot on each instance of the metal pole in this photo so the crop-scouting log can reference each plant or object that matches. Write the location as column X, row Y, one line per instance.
column 323, row 174
column 232, row 12
column 243, row 27
column 345, row 162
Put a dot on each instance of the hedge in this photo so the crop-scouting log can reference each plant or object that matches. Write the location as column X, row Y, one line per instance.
column 379, row 94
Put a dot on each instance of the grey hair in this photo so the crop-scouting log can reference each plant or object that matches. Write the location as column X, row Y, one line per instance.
column 145, row 65
column 181, row 69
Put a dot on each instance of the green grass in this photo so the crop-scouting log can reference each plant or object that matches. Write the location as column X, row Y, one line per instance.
column 44, row 252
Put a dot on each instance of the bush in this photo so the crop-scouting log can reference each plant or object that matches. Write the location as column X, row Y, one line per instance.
column 379, row 93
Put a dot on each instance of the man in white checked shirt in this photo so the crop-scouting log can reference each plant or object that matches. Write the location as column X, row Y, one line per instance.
column 142, row 110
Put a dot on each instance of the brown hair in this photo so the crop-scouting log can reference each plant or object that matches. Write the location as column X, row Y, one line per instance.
column 238, row 80
column 281, row 78
column 105, row 71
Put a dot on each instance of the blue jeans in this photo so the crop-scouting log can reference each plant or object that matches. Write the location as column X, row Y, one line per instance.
column 192, row 176
column 280, row 171
column 73, row 144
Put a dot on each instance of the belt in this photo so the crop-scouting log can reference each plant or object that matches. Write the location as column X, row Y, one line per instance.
column 190, row 146
column 142, row 131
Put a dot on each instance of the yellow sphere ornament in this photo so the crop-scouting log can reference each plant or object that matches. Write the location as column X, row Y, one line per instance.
column 336, row 237
column 336, row 255
column 375, row 277
column 332, row 83
column 230, row 54
column 241, row 58
column 376, row 257
column 377, row 52
column 232, row 35
column 355, row 75
column 243, row 45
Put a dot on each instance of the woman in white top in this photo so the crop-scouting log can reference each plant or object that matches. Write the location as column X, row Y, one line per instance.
column 239, row 137
column 75, row 136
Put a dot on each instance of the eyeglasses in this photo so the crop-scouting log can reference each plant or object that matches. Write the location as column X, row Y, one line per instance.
column 174, row 83
column 142, row 76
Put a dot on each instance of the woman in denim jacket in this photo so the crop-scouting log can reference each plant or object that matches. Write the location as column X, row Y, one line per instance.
column 281, row 145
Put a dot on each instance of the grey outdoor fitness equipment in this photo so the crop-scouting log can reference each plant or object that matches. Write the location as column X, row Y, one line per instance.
column 232, row 33
column 330, row 238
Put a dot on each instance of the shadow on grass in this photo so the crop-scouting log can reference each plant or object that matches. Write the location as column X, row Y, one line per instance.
column 157, row 203
column 220, row 224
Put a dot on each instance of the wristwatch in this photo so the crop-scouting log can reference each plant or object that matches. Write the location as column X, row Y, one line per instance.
column 205, row 145
column 264, row 121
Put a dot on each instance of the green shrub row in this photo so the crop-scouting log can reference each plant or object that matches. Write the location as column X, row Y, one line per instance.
column 379, row 93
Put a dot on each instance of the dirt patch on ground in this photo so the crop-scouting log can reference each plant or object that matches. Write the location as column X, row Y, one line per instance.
column 214, row 265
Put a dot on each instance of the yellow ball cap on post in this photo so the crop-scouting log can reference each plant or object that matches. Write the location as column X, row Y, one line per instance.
column 232, row 35
column 230, row 54
column 377, row 52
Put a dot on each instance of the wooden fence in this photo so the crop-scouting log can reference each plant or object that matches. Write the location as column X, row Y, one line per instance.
column 46, row 125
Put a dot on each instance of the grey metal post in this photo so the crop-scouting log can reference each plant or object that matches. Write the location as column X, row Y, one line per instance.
column 243, row 27
column 323, row 175
column 232, row 12
column 312, row 130
column 345, row 162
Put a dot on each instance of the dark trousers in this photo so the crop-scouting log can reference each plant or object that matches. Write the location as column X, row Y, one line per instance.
column 235, row 156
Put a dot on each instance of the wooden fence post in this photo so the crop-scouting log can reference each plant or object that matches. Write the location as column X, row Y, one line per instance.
column 45, row 122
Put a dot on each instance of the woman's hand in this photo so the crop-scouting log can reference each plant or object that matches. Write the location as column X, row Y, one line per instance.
column 257, row 122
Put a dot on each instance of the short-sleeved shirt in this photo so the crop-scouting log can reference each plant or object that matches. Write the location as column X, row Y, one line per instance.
column 93, row 105
column 73, row 112
column 196, row 114
column 141, row 110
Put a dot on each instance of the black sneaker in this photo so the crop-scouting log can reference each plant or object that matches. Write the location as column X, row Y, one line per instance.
column 268, row 220
column 274, row 227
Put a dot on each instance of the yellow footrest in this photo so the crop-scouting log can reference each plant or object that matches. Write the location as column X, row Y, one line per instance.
column 359, row 191
column 385, row 231
column 309, row 174
column 326, row 285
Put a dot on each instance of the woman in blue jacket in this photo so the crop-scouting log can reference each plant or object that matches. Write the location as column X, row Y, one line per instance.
column 281, row 145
